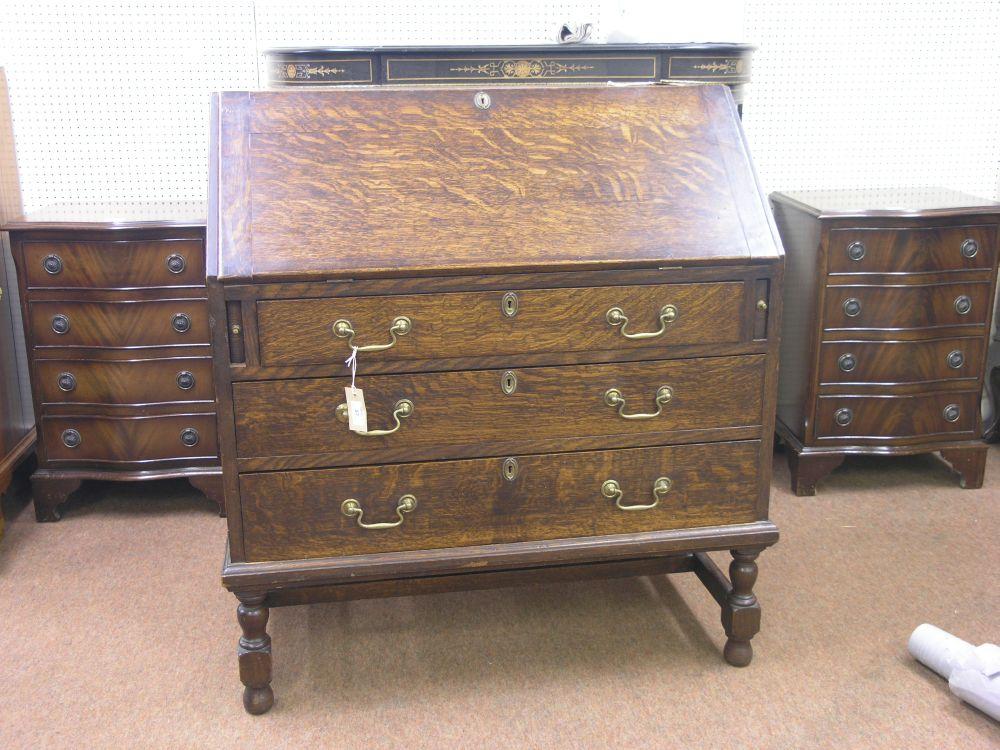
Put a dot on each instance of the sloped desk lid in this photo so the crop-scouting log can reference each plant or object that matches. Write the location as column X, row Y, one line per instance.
column 368, row 182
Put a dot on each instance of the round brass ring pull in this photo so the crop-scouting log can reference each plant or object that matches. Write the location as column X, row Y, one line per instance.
column 613, row 491
column 614, row 397
column 617, row 317
column 401, row 410
column 401, row 325
column 352, row 509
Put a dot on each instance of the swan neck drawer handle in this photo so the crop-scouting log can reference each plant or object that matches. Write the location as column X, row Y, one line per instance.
column 613, row 491
column 613, row 397
column 352, row 509
column 617, row 317
column 401, row 325
column 401, row 410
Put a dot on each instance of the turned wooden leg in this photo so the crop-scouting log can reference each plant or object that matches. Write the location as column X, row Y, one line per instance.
column 970, row 463
column 807, row 469
column 49, row 493
column 741, row 612
column 255, row 655
column 211, row 486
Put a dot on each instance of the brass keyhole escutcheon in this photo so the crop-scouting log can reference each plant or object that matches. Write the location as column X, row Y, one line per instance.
column 509, row 469
column 508, row 304
column 508, row 382
column 482, row 100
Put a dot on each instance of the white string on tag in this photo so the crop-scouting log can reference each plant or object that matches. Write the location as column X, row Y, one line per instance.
column 352, row 362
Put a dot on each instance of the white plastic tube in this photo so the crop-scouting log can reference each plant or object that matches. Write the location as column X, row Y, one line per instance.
column 973, row 672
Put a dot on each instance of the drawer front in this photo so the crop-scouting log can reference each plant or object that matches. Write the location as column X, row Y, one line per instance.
column 301, row 514
column 129, row 440
column 144, row 381
column 452, row 410
column 911, row 250
column 900, row 361
column 179, row 322
column 114, row 265
column 906, row 307
column 468, row 324
column 932, row 416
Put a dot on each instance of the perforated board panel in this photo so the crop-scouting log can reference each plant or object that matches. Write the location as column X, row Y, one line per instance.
column 110, row 99
column 872, row 94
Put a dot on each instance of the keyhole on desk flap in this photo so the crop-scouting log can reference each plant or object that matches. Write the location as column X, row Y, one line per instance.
column 482, row 100
column 509, row 469
column 508, row 382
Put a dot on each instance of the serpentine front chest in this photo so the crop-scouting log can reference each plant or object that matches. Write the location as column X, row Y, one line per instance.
column 562, row 305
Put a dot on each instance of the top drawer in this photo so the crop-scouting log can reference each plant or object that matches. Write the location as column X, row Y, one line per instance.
column 114, row 265
column 923, row 250
column 470, row 324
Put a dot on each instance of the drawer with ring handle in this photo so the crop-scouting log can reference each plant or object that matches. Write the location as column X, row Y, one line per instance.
column 439, row 413
column 500, row 323
column 136, row 441
column 114, row 265
column 893, row 362
column 107, row 325
column 911, row 250
column 905, row 306
column 365, row 510
column 124, row 382
column 889, row 419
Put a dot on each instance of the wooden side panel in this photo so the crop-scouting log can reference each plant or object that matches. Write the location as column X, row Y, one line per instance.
column 289, row 515
column 452, row 410
column 801, row 237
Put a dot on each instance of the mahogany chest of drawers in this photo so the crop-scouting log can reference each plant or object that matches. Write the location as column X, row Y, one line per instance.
column 563, row 305
column 116, row 321
column 888, row 309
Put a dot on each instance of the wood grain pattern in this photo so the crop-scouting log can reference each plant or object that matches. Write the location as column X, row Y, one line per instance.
column 533, row 178
column 912, row 250
column 290, row 417
column 115, row 265
column 898, row 362
column 129, row 440
column 897, row 418
column 473, row 324
column 125, row 382
column 120, row 324
column 460, row 503
column 903, row 307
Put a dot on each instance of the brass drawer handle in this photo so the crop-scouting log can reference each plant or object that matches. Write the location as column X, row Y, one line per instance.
column 617, row 317
column 401, row 410
column 401, row 325
column 613, row 491
column 352, row 508
column 614, row 397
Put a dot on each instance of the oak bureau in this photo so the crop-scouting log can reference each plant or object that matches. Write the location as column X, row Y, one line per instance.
column 116, row 321
column 564, row 305
column 889, row 301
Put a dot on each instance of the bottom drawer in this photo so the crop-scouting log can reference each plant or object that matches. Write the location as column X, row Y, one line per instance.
column 926, row 417
column 302, row 514
column 129, row 440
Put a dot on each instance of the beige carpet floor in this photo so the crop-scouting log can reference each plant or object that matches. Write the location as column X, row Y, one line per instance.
column 115, row 632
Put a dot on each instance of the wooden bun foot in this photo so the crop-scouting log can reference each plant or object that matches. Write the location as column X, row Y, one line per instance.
column 737, row 653
column 258, row 700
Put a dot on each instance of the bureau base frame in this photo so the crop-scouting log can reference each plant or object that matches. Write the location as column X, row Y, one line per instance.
column 260, row 586
column 808, row 465
column 50, row 488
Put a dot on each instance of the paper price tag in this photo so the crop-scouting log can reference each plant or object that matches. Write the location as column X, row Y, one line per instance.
column 357, row 414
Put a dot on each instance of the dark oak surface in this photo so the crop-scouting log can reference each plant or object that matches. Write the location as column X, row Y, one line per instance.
column 365, row 205
column 114, row 306
column 657, row 175
column 886, row 350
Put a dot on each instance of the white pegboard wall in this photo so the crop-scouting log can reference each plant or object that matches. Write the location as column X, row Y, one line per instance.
column 110, row 99
column 874, row 94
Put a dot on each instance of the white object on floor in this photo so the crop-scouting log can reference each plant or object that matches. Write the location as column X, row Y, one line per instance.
column 973, row 672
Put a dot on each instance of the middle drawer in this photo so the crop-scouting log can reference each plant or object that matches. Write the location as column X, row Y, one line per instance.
column 465, row 413
column 134, row 381
column 173, row 322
